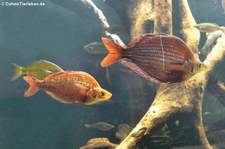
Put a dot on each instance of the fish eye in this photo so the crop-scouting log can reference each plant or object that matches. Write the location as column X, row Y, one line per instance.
column 199, row 65
column 102, row 93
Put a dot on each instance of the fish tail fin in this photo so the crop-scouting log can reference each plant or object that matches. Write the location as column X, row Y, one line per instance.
column 18, row 70
column 34, row 85
column 115, row 52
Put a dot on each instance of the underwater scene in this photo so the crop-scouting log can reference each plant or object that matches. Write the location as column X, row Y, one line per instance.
column 117, row 74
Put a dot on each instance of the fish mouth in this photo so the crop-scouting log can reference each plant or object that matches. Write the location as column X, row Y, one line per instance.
column 107, row 96
column 204, row 67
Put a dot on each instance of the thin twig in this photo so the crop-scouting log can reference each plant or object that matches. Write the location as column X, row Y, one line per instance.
column 104, row 22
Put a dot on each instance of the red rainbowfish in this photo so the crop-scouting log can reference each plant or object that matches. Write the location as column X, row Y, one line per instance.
column 160, row 58
column 69, row 87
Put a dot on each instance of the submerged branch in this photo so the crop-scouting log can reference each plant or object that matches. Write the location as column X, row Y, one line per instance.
column 99, row 143
column 104, row 22
column 221, row 86
column 190, row 34
column 163, row 16
column 216, row 54
column 141, row 15
column 217, row 89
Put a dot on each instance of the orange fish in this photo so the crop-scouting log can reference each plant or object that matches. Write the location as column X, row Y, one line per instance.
column 160, row 58
column 69, row 87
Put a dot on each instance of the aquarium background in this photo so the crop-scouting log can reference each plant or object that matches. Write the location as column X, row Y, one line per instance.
column 57, row 32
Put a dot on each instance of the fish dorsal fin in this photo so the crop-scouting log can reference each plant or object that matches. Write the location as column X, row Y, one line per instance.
column 46, row 63
column 216, row 25
column 149, row 36
column 89, row 78
column 141, row 72
column 133, row 42
column 136, row 40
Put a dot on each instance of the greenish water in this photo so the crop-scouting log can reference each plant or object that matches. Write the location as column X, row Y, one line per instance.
column 57, row 32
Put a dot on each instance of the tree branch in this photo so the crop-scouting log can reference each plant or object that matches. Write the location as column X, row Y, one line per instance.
column 104, row 22
column 99, row 143
column 163, row 16
column 190, row 34
column 216, row 54
column 217, row 89
column 140, row 14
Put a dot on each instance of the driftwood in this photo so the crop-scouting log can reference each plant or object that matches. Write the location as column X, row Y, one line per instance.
column 103, row 22
column 163, row 16
column 140, row 14
column 183, row 98
column 99, row 143
column 217, row 89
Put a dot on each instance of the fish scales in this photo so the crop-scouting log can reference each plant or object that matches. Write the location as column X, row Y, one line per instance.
column 162, row 71
column 152, row 60
column 154, row 66
column 168, row 57
column 159, row 58
column 69, row 87
column 153, row 49
column 185, row 50
column 152, row 55
column 68, row 81
column 156, row 59
column 156, row 62
column 175, row 44
column 159, row 62
column 171, row 47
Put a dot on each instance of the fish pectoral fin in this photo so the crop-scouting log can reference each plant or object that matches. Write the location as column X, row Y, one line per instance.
column 141, row 72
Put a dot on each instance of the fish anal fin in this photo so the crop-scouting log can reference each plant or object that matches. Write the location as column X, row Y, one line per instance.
column 140, row 72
